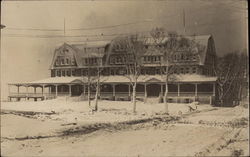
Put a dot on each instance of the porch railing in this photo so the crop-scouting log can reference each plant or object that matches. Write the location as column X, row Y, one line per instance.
column 109, row 94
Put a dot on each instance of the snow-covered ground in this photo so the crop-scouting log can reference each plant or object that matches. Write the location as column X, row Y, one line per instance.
column 162, row 140
column 71, row 111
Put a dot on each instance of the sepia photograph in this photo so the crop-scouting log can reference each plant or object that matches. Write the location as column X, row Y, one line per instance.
column 124, row 78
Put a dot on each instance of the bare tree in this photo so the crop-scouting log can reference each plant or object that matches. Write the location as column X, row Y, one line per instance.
column 97, row 84
column 167, row 45
column 133, row 61
column 94, row 81
column 227, row 69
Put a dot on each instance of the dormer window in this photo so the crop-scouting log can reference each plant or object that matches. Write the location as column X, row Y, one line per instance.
column 57, row 62
column 72, row 61
column 194, row 57
column 67, row 61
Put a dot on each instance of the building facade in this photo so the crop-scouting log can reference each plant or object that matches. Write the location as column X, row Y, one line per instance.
column 74, row 64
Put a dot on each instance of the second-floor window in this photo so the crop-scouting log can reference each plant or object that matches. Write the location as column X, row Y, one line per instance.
column 194, row 70
column 68, row 72
column 63, row 72
column 58, row 73
column 62, row 61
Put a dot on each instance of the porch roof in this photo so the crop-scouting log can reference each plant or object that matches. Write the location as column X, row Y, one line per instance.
column 52, row 80
column 194, row 78
column 158, row 78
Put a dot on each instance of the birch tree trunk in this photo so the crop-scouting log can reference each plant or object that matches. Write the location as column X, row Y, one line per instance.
column 96, row 96
column 166, row 91
column 89, row 101
column 134, row 98
column 166, row 96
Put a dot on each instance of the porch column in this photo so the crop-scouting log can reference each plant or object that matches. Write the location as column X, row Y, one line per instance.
column 9, row 92
column 113, row 89
column 42, row 90
column 129, row 90
column 145, row 90
column 56, row 89
column 27, row 90
column 213, row 89
column 18, row 90
column 83, row 86
column 70, row 90
column 178, row 91
column 34, row 89
column 161, row 90
column 196, row 89
column 43, row 94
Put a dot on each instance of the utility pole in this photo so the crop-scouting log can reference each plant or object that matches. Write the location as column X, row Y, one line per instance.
column 64, row 31
column 184, row 22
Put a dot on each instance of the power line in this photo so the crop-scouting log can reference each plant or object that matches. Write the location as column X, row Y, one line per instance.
column 110, row 26
column 104, row 35
column 32, row 29
column 77, row 29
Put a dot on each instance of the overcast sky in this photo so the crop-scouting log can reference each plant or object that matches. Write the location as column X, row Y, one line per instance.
column 24, row 57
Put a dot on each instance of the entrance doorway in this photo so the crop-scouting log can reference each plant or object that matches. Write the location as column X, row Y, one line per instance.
column 153, row 90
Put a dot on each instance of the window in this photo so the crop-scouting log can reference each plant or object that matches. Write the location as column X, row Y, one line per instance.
column 112, row 60
column 65, row 50
column 58, row 72
column 86, row 61
column 187, row 70
column 63, row 72
column 52, row 73
column 175, row 71
column 182, row 57
column 194, row 70
column 62, row 61
column 194, row 57
column 175, row 57
column 95, row 61
column 182, row 70
column 68, row 73
column 67, row 61
column 155, row 58
column 73, row 72
column 178, row 57
column 118, row 60
column 57, row 61
column 72, row 61
column 158, row 71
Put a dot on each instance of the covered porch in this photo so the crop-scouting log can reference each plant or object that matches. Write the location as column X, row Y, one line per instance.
column 46, row 89
column 184, row 89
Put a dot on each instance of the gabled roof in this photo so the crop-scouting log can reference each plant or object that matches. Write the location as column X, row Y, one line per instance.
column 98, row 48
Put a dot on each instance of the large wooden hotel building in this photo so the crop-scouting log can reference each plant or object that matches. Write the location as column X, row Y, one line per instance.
column 73, row 63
